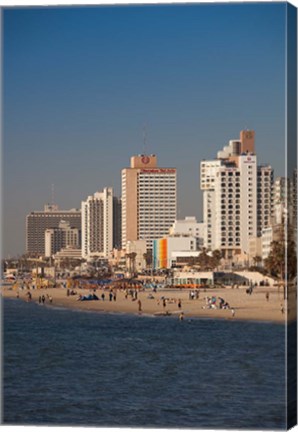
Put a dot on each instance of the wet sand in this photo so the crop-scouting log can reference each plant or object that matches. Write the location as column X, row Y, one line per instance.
column 247, row 307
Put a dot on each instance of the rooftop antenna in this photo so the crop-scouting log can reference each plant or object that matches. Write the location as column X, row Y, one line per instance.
column 52, row 194
column 144, row 138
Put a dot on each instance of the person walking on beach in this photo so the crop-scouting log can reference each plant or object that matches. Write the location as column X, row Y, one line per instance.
column 103, row 297
column 115, row 297
column 267, row 296
column 233, row 312
column 179, row 304
column 43, row 299
column 140, row 305
column 164, row 303
column 111, row 295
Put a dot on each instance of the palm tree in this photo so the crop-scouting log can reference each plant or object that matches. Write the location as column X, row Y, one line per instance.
column 148, row 258
column 131, row 262
column 215, row 259
column 257, row 260
column 204, row 260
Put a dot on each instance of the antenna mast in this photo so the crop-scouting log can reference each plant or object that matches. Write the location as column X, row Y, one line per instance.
column 144, row 138
column 52, row 194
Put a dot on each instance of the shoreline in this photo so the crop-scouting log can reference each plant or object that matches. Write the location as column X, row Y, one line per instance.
column 246, row 307
column 146, row 315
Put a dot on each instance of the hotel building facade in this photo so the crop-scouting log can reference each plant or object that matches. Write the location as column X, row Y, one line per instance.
column 149, row 200
column 97, row 224
column 232, row 206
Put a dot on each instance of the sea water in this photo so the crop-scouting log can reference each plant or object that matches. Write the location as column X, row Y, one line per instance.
column 64, row 367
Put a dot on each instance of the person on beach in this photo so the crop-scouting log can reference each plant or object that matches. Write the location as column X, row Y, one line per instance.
column 115, row 297
column 267, row 296
column 164, row 303
column 179, row 304
column 43, row 299
column 39, row 299
column 140, row 305
column 103, row 297
column 233, row 312
column 181, row 316
column 111, row 295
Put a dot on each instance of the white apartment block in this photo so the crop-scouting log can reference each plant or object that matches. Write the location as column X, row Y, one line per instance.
column 97, row 224
column 209, row 170
column 264, row 197
column 270, row 234
column 149, row 200
column 61, row 237
column 280, row 188
column 229, row 186
column 189, row 226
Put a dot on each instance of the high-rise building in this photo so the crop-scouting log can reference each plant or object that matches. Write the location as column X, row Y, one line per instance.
column 265, row 192
column 149, row 200
column 38, row 221
column 61, row 237
column 117, row 223
column 229, row 185
column 97, row 224
column 293, row 201
column 280, row 189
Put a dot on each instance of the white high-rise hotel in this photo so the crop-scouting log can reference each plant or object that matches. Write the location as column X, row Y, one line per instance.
column 236, row 196
column 97, row 224
column 149, row 200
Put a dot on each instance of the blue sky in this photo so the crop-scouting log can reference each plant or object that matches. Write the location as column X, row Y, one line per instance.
column 79, row 83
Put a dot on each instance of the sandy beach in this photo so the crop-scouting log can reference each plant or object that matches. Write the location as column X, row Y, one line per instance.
column 246, row 307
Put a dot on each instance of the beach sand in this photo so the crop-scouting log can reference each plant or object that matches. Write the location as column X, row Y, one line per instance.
column 246, row 307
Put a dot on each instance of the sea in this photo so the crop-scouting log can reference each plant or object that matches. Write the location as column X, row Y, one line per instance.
column 65, row 367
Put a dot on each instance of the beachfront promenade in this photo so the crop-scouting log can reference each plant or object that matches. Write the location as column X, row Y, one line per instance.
column 264, row 304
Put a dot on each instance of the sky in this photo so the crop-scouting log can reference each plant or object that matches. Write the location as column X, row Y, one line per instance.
column 80, row 83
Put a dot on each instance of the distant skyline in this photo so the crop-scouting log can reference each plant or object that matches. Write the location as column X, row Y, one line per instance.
column 80, row 83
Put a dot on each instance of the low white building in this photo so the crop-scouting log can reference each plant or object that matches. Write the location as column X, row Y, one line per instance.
column 192, row 279
column 139, row 248
column 165, row 247
column 189, row 226
column 68, row 252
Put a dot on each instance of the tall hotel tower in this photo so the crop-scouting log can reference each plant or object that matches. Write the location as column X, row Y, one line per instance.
column 97, row 224
column 149, row 200
column 237, row 196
